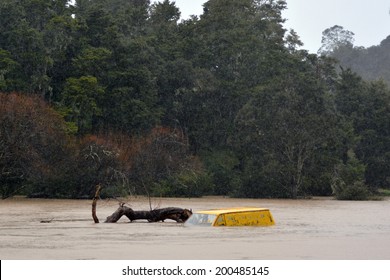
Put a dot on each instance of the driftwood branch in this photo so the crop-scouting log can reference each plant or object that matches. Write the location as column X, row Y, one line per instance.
column 173, row 213
column 94, row 202
column 179, row 215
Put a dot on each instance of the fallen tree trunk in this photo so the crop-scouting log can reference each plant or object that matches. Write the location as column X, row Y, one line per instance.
column 179, row 215
column 173, row 213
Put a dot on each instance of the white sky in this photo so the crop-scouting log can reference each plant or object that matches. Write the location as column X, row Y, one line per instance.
column 368, row 19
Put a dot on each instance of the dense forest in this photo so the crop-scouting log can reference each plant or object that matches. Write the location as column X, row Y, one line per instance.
column 124, row 94
column 370, row 63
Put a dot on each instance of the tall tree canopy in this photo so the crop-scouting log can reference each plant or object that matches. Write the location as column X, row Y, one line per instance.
column 225, row 103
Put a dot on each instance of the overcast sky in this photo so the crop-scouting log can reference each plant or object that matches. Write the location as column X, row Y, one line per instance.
column 368, row 19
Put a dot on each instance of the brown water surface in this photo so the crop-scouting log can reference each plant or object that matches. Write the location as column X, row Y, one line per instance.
column 305, row 229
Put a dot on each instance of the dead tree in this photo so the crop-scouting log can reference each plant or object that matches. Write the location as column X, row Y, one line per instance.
column 94, row 202
column 179, row 215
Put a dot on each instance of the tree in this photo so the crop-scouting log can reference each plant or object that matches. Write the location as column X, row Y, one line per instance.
column 223, row 103
column 366, row 106
column 161, row 163
column 36, row 34
column 282, row 130
column 128, row 16
column 230, row 29
column 33, row 142
column 95, row 62
column 114, row 49
column 98, row 162
column 348, row 182
column 172, row 70
column 334, row 38
column 240, row 45
column 165, row 12
column 370, row 63
column 81, row 97
column 7, row 67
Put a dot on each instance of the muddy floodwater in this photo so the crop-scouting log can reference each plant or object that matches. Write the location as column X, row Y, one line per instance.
column 318, row 228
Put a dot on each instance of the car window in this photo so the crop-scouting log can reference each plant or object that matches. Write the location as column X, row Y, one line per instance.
column 201, row 219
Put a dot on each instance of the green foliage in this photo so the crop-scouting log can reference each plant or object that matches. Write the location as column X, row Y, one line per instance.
column 92, row 61
column 184, row 184
column 284, row 128
column 335, row 38
column 367, row 107
column 223, row 104
column 348, row 180
column 357, row 191
column 370, row 63
column 81, row 97
column 384, row 192
column 163, row 13
column 7, row 66
column 261, row 179
column 222, row 166
column 36, row 34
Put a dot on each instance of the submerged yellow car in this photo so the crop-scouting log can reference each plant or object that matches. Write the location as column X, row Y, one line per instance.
column 242, row 216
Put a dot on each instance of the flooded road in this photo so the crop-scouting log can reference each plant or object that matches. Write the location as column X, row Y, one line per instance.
column 305, row 229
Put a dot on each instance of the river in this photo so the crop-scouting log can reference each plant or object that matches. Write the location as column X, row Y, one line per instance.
column 318, row 228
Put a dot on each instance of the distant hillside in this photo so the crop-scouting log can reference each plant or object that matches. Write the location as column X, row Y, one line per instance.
column 371, row 63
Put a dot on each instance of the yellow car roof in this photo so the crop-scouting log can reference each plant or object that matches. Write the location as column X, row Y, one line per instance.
column 230, row 210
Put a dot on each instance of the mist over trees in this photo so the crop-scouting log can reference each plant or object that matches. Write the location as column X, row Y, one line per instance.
column 370, row 63
column 123, row 94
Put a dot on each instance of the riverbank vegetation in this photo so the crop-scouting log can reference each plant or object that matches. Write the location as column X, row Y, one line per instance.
column 127, row 95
